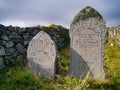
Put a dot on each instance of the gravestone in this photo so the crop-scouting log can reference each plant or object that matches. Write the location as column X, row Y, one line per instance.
column 41, row 54
column 87, row 34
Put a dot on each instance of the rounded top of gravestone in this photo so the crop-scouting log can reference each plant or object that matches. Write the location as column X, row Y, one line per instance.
column 86, row 13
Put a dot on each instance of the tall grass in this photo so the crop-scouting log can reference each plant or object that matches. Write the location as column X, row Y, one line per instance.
column 112, row 64
column 21, row 78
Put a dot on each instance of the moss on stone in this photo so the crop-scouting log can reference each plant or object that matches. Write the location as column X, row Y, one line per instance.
column 85, row 13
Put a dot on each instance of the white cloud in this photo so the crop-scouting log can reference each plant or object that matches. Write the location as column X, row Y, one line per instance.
column 44, row 12
column 15, row 23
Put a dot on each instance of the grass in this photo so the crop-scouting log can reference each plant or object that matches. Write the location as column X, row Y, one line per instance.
column 64, row 56
column 21, row 78
column 112, row 64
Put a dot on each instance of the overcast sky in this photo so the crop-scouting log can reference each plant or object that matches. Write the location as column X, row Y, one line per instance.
column 61, row 12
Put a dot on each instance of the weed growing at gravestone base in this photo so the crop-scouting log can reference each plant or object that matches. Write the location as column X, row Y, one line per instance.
column 64, row 60
column 20, row 78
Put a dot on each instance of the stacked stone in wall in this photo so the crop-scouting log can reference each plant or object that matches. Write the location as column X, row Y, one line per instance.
column 114, row 35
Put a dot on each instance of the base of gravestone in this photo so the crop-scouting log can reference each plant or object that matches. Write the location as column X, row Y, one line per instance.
column 102, row 76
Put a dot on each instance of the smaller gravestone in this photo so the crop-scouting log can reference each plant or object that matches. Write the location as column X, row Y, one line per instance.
column 41, row 55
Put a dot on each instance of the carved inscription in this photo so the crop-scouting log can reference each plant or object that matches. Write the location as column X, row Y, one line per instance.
column 87, row 46
column 85, row 43
column 41, row 54
column 86, row 39
column 40, row 49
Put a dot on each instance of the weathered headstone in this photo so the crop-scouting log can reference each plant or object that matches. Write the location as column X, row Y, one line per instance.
column 41, row 54
column 87, row 33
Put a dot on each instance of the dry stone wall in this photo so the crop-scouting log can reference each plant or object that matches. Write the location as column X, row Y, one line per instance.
column 14, row 42
column 114, row 35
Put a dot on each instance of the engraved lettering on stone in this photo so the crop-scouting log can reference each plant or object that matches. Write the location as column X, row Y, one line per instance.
column 41, row 55
column 86, row 48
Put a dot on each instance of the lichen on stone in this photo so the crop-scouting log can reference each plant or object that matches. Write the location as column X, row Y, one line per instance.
column 86, row 13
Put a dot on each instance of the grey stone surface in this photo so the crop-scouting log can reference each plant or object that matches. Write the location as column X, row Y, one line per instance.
column 2, row 51
column 26, row 35
column 9, row 60
column 1, row 62
column 41, row 54
column 26, row 42
column 9, row 51
column 20, row 58
column 114, row 34
column 9, row 44
column 4, row 37
column 13, row 35
column 87, row 47
column 20, row 48
column 3, row 42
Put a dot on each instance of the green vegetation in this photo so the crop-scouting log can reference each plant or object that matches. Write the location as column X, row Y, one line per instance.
column 64, row 57
column 52, row 26
column 64, row 34
column 85, row 13
column 112, row 64
column 21, row 78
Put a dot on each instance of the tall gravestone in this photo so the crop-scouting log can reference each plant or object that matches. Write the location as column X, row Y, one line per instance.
column 87, row 33
column 41, row 54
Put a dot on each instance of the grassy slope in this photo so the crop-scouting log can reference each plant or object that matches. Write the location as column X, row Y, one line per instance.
column 112, row 64
column 20, row 78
